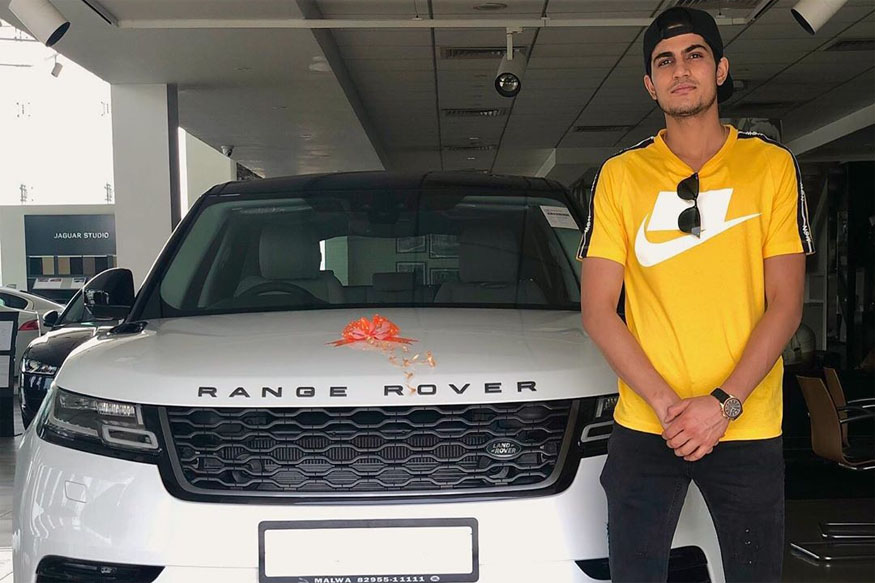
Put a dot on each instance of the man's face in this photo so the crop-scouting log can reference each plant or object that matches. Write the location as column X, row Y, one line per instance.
column 684, row 76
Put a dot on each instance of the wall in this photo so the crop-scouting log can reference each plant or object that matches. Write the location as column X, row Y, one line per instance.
column 13, row 266
column 202, row 168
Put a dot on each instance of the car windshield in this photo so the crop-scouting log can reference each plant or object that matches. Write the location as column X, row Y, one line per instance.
column 372, row 249
column 76, row 313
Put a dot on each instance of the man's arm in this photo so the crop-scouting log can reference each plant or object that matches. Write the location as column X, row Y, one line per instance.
column 600, row 283
column 697, row 424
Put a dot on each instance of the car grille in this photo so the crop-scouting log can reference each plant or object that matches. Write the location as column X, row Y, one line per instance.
column 34, row 387
column 367, row 450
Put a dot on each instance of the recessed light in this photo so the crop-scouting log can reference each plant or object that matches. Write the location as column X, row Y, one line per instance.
column 491, row 6
column 473, row 138
column 319, row 64
column 244, row 68
column 472, row 157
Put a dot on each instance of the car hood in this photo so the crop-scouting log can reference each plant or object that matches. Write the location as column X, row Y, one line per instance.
column 54, row 346
column 284, row 359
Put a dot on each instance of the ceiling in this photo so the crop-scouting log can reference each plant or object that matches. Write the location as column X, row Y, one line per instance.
column 382, row 96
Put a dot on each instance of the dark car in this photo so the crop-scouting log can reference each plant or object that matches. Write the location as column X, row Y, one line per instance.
column 43, row 356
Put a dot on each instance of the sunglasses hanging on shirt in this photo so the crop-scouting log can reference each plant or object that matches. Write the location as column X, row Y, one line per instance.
column 690, row 220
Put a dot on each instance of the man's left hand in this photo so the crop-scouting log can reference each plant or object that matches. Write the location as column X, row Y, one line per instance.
column 694, row 427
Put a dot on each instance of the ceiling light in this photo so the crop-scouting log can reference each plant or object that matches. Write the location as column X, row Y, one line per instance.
column 812, row 14
column 508, row 79
column 319, row 64
column 491, row 6
column 41, row 18
column 56, row 68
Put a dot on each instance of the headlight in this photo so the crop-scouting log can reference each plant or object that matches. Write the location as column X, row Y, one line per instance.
column 31, row 366
column 100, row 426
column 598, row 423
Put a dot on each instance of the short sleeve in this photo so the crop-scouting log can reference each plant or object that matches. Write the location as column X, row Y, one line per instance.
column 789, row 230
column 604, row 235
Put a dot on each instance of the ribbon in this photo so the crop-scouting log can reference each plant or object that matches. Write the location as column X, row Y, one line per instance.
column 379, row 329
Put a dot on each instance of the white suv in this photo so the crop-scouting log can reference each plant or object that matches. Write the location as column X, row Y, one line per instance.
column 358, row 378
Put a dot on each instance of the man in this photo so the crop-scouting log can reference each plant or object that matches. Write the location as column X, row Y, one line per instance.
column 708, row 228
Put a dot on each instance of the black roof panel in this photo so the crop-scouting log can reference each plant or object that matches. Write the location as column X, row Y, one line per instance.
column 384, row 180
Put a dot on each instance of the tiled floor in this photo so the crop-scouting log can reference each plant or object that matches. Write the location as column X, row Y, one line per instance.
column 803, row 517
column 7, row 472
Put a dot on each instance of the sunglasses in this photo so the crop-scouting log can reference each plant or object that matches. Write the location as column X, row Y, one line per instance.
column 690, row 220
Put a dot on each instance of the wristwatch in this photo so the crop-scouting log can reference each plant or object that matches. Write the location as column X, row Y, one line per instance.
column 729, row 405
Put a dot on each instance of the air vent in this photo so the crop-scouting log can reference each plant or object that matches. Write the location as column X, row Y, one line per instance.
column 850, row 44
column 469, row 53
column 474, row 148
column 719, row 4
column 602, row 129
column 496, row 112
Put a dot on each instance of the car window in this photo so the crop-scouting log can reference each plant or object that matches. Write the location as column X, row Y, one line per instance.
column 75, row 312
column 12, row 301
column 350, row 249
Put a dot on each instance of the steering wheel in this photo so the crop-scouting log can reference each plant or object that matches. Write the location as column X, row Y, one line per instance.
column 297, row 293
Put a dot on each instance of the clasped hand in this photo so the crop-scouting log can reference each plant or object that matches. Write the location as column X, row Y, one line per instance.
column 694, row 426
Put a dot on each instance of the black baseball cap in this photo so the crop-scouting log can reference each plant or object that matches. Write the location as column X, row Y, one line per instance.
column 677, row 21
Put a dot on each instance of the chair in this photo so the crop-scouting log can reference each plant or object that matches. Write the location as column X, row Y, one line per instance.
column 829, row 442
column 834, row 385
column 392, row 288
column 292, row 255
column 489, row 271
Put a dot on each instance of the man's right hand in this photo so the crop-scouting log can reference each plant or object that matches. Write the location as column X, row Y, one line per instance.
column 661, row 405
column 600, row 284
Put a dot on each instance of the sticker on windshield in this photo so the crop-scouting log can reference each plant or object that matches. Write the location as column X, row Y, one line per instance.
column 559, row 217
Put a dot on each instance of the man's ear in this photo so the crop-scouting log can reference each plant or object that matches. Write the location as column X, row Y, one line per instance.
column 648, row 84
column 722, row 70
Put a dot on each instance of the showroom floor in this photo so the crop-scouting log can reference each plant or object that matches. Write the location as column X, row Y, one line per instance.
column 803, row 517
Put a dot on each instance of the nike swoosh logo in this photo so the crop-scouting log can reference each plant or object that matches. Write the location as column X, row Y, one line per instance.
column 650, row 254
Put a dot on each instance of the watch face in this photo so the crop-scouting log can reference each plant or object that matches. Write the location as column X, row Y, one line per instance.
column 732, row 408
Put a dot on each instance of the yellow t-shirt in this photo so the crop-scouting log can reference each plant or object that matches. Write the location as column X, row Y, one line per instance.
column 692, row 303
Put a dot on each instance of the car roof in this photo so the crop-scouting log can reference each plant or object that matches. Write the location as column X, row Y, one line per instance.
column 386, row 181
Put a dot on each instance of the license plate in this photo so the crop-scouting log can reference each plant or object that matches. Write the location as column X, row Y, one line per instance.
column 437, row 550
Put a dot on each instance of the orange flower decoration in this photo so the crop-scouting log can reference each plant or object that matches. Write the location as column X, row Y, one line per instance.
column 379, row 329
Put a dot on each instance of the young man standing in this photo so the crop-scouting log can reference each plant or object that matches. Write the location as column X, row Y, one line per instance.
column 708, row 229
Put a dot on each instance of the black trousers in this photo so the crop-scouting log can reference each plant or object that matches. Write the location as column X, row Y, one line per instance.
column 742, row 483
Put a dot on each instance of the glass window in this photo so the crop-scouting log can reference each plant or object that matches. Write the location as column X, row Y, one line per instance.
column 372, row 248
column 13, row 301
column 75, row 312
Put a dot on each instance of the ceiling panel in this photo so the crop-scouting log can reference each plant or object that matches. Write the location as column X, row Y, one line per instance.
column 357, row 9
column 199, row 9
column 407, row 37
column 524, row 161
column 465, row 8
column 589, row 36
column 629, row 8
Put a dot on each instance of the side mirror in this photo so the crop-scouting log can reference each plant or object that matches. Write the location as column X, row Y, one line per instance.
column 110, row 294
column 50, row 318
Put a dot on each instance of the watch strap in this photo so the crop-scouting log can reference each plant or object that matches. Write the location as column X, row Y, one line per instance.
column 720, row 395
